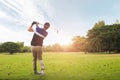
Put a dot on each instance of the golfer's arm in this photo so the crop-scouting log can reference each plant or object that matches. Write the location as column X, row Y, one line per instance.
column 30, row 29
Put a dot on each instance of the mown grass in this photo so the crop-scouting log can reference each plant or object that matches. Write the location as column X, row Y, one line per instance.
column 61, row 66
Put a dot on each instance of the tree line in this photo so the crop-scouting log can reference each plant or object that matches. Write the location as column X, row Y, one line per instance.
column 100, row 38
column 104, row 38
column 13, row 47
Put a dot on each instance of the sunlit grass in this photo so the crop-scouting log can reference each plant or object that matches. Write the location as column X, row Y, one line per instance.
column 62, row 66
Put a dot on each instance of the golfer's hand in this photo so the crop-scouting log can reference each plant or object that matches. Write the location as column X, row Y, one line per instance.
column 35, row 22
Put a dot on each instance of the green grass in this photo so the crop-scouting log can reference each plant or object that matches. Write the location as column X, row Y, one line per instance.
column 60, row 66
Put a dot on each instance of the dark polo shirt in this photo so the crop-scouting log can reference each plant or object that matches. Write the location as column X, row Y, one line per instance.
column 37, row 40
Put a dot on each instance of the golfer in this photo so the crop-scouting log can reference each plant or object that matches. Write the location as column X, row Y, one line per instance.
column 37, row 43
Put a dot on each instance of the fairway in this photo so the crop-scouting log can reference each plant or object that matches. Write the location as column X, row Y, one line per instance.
column 62, row 66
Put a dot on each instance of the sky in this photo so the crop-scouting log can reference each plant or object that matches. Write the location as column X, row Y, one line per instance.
column 70, row 17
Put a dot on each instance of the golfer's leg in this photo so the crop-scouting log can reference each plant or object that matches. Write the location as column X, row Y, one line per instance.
column 39, row 55
column 34, row 53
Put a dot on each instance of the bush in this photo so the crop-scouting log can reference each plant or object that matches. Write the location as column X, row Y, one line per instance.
column 26, row 49
column 1, row 48
column 10, row 47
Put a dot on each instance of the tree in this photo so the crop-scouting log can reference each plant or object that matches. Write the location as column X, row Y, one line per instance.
column 21, row 45
column 1, row 48
column 56, row 47
column 79, row 43
column 93, row 37
column 99, row 24
column 26, row 49
column 10, row 47
column 104, row 38
column 47, row 48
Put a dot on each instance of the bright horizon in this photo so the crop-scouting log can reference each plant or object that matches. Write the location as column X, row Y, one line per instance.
column 70, row 17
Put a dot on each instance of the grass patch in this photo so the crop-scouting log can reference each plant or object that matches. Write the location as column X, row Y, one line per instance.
column 62, row 66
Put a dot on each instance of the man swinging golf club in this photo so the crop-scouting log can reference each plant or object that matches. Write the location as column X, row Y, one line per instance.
column 36, row 44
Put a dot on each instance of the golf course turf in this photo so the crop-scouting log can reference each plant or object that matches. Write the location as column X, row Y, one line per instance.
column 61, row 66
